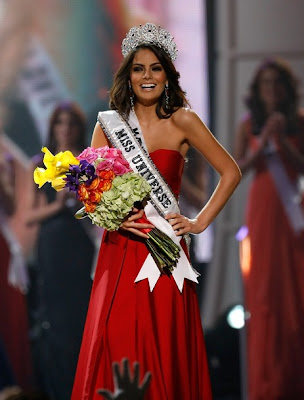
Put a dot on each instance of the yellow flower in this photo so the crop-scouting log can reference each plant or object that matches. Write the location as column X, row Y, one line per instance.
column 56, row 167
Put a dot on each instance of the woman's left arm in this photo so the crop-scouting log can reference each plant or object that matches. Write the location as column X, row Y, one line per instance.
column 294, row 155
column 7, row 184
column 199, row 136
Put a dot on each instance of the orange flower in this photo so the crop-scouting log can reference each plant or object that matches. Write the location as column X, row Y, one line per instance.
column 83, row 192
column 94, row 184
column 89, row 207
column 107, row 175
column 105, row 185
column 95, row 196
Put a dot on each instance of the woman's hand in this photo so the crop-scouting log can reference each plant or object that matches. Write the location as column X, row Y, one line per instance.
column 280, row 125
column 274, row 127
column 126, row 384
column 61, row 198
column 39, row 208
column 182, row 225
column 132, row 226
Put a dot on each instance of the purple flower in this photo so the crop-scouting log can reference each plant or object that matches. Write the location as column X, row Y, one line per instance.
column 77, row 174
column 72, row 183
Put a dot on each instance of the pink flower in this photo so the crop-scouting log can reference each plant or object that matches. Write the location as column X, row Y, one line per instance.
column 120, row 168
column 119, row 164
column 108, row 152
column 89, row 154
column 104, row 165
column 113, row 159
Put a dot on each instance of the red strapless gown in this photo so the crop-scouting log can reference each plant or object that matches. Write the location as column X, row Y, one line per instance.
column 162, row 330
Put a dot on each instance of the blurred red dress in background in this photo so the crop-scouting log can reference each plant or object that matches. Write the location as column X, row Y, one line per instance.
column 274, row 288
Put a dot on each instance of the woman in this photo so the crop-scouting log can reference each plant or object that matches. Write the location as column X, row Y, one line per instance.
column 270, row 141
column 13, row 321
column 61, row 266
column 158, row 326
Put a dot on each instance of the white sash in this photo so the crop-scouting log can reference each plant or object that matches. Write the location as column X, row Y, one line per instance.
column 130, row 140
column 122, row 137
column 288, row 193
column 41, row 85
column 17, row 271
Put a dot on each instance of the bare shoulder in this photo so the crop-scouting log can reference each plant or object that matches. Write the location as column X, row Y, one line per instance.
column 190, row 123
column 99, row 138
column 185, row 116
column 245, row 120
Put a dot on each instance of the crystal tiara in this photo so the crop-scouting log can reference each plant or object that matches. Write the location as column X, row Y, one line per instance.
column 149, row 34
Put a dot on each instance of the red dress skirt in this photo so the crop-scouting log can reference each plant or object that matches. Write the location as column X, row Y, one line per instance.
column 160, row 329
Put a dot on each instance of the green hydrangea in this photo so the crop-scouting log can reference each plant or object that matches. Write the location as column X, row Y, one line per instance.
column 117, row 202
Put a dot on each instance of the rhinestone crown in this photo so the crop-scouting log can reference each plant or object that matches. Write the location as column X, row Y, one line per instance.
column 149, row 34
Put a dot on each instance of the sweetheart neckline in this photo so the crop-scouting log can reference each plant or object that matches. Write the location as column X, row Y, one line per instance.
column 161, row 149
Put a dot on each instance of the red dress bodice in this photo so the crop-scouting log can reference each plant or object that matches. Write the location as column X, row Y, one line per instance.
column 170, row 164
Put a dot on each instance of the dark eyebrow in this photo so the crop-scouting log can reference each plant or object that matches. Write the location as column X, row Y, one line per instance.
column 142, row 65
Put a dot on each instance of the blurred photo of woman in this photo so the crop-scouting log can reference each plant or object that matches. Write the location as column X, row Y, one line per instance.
column 60, row 281
column 270, row 142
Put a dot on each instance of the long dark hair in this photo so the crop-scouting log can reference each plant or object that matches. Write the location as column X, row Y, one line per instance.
column 289, row 107
column 78, row 118
column 120, row 94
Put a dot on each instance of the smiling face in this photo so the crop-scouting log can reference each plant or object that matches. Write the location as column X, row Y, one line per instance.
column 147, row 77
column 272, row 89
column 66, row 130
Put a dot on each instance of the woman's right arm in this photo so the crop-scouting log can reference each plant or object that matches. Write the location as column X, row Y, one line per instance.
column 99, row 138
column 38, row 208
column 7, row 186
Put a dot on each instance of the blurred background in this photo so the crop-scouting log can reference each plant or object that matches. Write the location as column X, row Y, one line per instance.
column 52, row 51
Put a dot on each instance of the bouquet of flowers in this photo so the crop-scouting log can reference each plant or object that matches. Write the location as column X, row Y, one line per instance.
column 104, row 182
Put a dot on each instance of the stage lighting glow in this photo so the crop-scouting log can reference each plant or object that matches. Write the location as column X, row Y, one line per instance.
column 236, row 317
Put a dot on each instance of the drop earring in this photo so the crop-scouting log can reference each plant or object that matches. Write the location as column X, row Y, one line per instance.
column 131, row 95
column 167, row 95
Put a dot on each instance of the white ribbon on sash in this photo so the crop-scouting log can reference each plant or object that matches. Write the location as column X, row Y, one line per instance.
column 150, row 270
column 287, row 191
column 41, row 85
column 130, row 140
column 17, row 271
